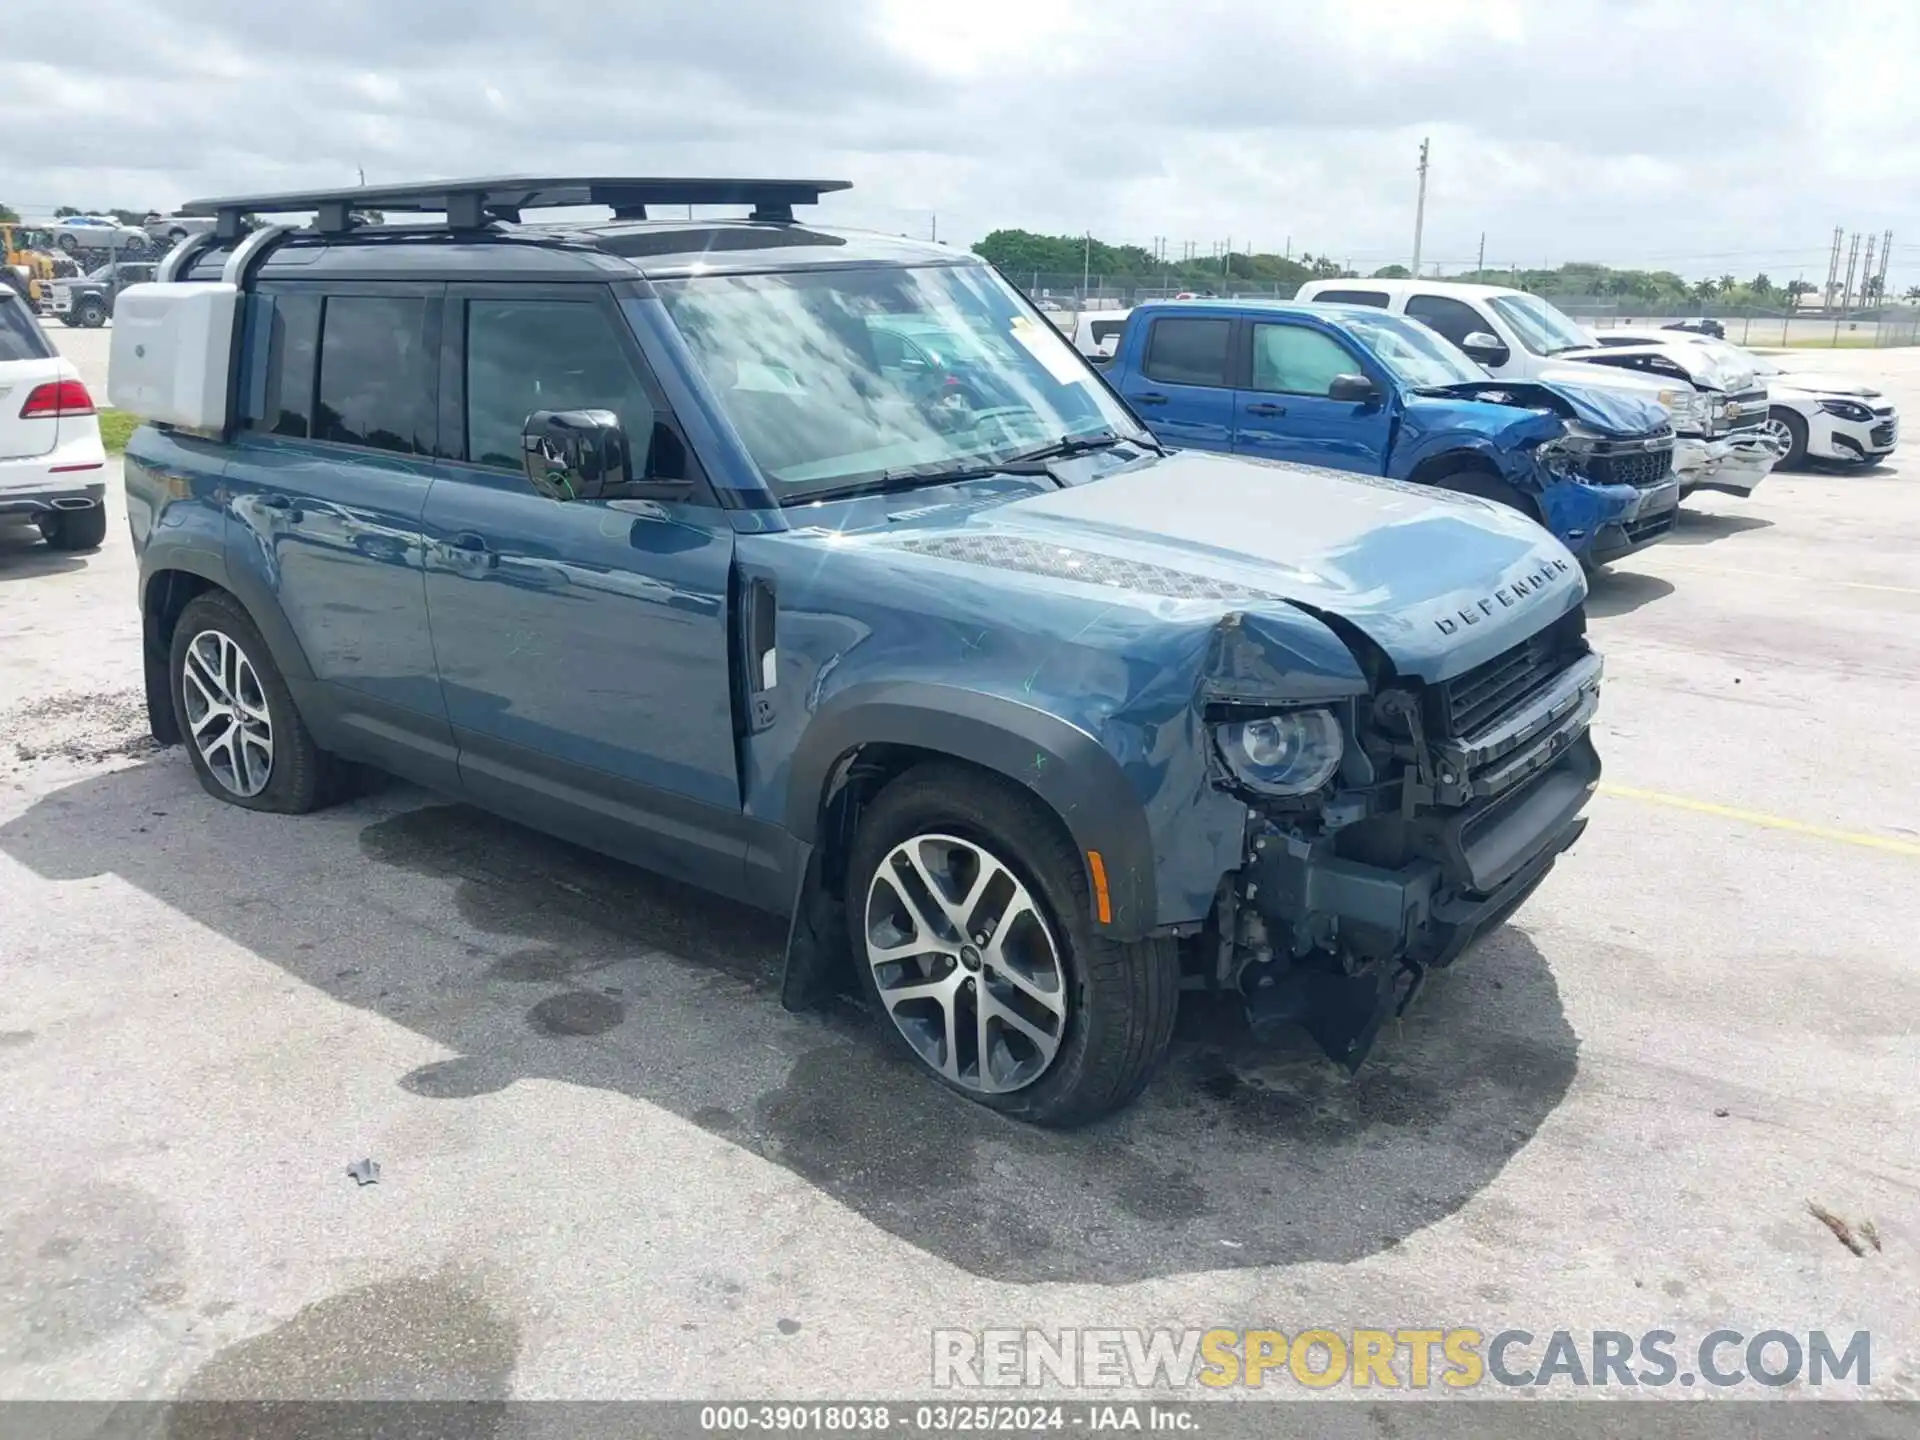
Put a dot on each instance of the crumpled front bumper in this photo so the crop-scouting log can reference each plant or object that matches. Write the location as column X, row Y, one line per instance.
column 1735, row 464
column 1517, row 791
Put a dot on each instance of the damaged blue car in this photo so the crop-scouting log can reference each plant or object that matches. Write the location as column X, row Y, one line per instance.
column 1357, row 389
column 815, row 568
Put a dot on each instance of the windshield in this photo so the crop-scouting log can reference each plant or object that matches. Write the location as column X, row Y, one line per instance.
column 837, row 376
column 1541, row 328
column 1418, row 356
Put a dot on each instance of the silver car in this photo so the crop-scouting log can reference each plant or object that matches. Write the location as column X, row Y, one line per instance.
column 76, row 233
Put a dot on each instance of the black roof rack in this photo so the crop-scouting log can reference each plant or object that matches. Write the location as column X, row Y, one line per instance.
column 470, row 204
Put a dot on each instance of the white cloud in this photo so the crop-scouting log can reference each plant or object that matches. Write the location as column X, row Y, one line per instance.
column 1707, row 136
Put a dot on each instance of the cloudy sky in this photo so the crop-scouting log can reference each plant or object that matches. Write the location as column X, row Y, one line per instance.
column 1690, row 134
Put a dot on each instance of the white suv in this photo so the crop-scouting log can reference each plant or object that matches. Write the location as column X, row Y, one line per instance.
column 52, row 466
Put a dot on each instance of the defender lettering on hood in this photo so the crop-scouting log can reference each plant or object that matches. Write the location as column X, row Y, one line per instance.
column 1508, row 595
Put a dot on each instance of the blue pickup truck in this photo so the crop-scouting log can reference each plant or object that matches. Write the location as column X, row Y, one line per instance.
column 1352, row 388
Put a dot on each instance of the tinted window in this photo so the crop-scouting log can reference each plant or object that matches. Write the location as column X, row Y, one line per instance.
column 376, row 377
column 1294, row 360
column 1451, row 318
column 1105, row 330
column 20, row 337
column 293, row 344
column 528, row 355
column 1375, row 298
column 1188, row 352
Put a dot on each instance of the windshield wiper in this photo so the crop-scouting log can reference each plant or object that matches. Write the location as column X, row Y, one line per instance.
column 1027, row 462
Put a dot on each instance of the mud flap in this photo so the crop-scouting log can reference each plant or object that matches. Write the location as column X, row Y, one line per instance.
column 816, row 967
column 1343, row 1013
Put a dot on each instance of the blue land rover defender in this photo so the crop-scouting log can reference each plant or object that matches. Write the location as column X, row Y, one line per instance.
column 816, row 568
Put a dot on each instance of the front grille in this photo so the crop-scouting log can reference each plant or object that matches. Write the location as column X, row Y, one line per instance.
column 1642, row 469
column 1883, row 434
column 1467, row 702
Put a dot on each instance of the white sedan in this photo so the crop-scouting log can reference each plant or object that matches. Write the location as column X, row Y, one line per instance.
column 1814, row 416
column 52, row 467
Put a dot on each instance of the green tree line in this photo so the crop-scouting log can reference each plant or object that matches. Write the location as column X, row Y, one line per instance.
column 1023, row 254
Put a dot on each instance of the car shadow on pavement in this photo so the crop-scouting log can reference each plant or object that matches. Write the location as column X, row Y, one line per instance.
column 1620, row 592
column 23, row 556
column 531, row 959
column 1702, row 527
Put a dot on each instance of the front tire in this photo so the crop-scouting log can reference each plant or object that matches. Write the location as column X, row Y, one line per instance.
column 969, row 915
column 1791, row 429
column 245, row 736
column 75, row 530
column 91, row 315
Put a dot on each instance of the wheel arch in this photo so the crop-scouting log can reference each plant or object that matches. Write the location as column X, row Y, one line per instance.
column 1478, row 460
column 867, row 735
column 168, row 583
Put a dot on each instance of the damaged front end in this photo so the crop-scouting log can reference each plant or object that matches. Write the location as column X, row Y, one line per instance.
column 1624, row 493
column 1386, row 832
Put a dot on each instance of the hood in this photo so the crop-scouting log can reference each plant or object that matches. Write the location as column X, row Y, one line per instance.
column 1439, row 582
column 1623, row 414
column 1813, row 383
column 1707, row 371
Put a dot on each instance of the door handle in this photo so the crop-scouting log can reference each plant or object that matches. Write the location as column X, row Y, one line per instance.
column 1266, row 408
column 1152, row 397
column 475, row 546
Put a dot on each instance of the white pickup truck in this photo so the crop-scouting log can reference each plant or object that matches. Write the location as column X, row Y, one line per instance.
column 1719, row 412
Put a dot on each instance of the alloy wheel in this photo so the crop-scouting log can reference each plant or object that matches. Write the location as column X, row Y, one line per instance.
column 227, row 713
column 1779, row 430
column 965, row 963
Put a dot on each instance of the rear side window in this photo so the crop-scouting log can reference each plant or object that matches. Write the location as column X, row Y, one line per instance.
column 1452, row 318
column 292, row 350
column 1105, row 330
column 376, row 378
column 20, row 337
column 1188, row 351
column 1377, row 299
column 528, row 355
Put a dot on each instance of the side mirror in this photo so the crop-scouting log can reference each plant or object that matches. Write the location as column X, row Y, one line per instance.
column 1356, row 389
column 1485, row 346
column 575, row 454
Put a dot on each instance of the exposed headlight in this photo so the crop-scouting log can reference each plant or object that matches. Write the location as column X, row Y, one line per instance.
column 1847, row 410
column 1289, row 754
column 1688, row 407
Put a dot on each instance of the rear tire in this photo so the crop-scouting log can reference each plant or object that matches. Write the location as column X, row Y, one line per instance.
column 1076, row 1023
column 270, row 761
column 1793, row 429
column 75, row 530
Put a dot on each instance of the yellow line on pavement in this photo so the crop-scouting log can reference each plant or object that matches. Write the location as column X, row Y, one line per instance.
column 1760, row 817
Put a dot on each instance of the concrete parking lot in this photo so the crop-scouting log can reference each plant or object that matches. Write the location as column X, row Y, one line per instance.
column 613, row 1166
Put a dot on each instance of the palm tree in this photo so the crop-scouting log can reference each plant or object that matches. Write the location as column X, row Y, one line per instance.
column 1705, row 290
column 1913, row 292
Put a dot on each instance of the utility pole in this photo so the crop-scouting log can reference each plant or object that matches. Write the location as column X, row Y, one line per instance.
column 933, row 226
column 1420, row 209
column 1846, row 288
column 1226, row 259
column 1886, row 254
column 1289, row 254
column 363, row 175
column 1833, row 270
column 1086, row 267
column 1481, row 263
column 1866, row 268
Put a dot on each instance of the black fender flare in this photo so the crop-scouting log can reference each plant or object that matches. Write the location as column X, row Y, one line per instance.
column 1066, row 768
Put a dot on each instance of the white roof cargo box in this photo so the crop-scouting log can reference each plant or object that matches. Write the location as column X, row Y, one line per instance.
column 172, row 352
